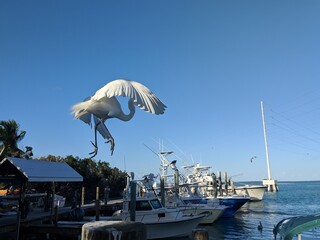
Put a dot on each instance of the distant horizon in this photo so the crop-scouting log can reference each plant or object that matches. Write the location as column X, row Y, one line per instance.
column 282, row 181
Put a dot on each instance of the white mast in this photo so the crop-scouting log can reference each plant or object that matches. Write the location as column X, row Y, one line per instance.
column 265, row 141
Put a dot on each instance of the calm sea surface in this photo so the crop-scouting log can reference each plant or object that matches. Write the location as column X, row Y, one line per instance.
column 293, row 199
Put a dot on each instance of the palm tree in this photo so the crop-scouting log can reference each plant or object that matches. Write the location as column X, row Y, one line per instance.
column 10, row 136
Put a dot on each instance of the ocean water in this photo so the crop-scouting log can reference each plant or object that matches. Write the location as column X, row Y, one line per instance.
column 293, row 199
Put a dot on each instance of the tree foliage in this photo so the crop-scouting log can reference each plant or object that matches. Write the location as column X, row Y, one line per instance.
column 10, row 136
column 94, row 173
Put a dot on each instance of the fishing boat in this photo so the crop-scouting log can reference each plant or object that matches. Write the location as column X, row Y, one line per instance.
column 213, row 212
column 160, row 222
column 255, row 192
column 231, row 203
column 200, row 187
column 173, row 200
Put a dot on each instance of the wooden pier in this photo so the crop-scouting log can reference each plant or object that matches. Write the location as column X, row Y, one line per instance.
column 40, row 222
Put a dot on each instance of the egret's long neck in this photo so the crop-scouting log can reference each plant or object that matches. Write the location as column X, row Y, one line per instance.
column 127, row 117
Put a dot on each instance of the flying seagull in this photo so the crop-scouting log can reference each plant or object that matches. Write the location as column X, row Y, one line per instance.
column 104, row 105
column 254, row 157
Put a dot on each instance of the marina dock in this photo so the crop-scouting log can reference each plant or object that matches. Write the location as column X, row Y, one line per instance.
column 40, row 222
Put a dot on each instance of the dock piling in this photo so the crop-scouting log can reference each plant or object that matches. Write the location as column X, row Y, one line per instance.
column 110, row 230
column 200, row 234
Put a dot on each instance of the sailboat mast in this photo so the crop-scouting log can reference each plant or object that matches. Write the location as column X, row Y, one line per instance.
column 265, row 141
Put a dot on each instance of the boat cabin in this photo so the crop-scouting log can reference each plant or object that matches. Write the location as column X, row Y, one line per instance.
column 143, row 204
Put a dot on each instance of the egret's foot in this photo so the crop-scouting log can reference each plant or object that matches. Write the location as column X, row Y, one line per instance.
column 111, row 141
column 95, row 150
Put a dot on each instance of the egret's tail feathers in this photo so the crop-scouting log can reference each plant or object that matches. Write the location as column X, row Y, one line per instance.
column 79, row 112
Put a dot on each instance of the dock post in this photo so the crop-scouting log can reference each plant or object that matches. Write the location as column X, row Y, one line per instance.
column 97, row 204
column 52, row 202
column 226, row 182
column 106, row 195
column 56, row 215
column 200, row 234
column 214, row 180
column 18, row 225
column 176, row 183
column 163, row 196
column 232, row 187
column 220, row 183
column 113, row 230
column 133, row 196
column 82, row 195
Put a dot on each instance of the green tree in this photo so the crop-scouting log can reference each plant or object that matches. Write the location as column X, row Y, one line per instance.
column 10, row 136
column 94, row 174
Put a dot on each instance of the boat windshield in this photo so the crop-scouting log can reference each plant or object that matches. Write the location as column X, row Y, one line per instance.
column 142, row 206
column 156, row 204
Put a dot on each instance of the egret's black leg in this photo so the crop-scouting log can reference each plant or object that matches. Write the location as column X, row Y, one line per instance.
column 111, row 141
column 95, row 144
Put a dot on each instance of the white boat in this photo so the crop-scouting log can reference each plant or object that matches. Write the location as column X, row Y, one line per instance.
column 172, row 198
column 212, row 211
column 255, row 192
column 200, row 187
column 160, row 222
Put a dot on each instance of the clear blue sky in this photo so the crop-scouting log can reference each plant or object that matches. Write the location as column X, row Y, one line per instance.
column 211, row 62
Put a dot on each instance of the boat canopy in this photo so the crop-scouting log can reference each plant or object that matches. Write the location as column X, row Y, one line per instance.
column 34, row 170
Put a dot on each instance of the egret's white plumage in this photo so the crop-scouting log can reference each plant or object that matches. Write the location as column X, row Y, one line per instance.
column 104, row 105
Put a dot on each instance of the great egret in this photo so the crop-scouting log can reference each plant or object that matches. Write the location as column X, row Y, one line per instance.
column 104, row 105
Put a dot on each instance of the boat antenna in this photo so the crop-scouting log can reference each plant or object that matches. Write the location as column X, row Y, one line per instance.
column 150, row 149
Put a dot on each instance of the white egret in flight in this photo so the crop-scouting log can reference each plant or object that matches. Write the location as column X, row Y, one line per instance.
column 104, row 105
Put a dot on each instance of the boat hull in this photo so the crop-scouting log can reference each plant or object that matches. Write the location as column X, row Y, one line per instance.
column 183, row 228
column 233, row 204
column 256, row 193
column 212, row 214
column 163, row 224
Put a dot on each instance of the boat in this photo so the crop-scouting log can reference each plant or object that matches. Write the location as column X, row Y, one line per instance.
column 255, row 192
column 172, row 200
column 204, row 185
column 213, row 212
column 231, row 203
column 234, row 202
column 200, row 187
column 160, row 222
column 149, row 210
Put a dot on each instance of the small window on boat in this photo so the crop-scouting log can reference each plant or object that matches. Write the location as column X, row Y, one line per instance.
column 155, row 204
column 143, row 205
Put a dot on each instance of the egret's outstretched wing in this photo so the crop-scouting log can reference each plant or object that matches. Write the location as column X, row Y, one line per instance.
column 140, row 95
